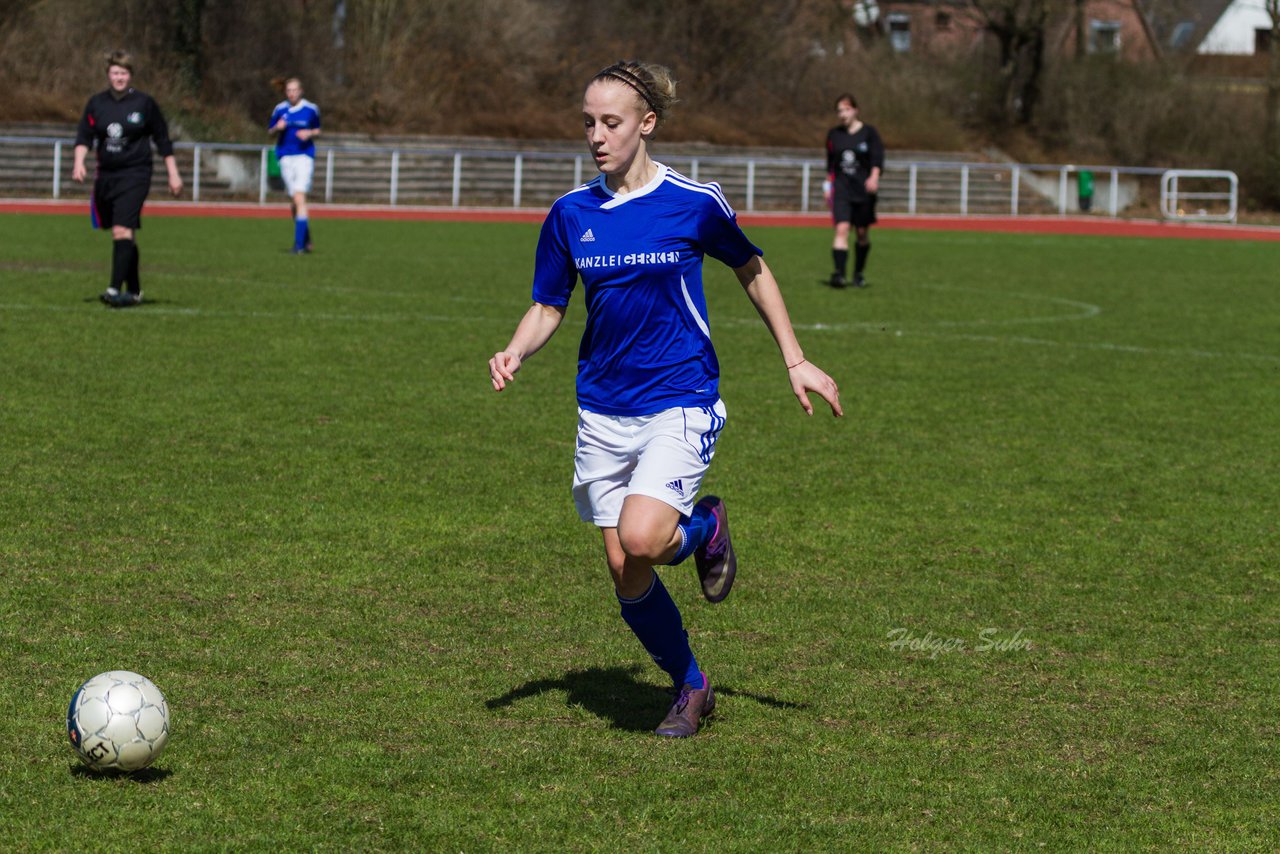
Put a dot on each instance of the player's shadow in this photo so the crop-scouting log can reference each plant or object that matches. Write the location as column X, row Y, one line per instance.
column 142, row 306
column 616, row 694
column 847, row 286
column 145, row 776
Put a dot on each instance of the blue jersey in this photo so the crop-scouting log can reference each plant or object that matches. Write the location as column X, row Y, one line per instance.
column 647, row 343
column 304, row 115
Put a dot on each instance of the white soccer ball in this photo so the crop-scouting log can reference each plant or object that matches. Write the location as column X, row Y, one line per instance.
column 118, row 721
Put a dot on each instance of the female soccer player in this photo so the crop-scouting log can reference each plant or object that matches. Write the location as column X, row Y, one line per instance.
column 855, row 159
column 649, row 406
column 122, row 122
column 295, row 122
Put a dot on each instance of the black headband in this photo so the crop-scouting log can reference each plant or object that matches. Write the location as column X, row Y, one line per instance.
column 619, row 72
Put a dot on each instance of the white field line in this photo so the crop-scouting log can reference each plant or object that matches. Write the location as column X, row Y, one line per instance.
column 1080, row 311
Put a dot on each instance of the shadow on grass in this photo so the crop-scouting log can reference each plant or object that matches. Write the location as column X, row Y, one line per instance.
column 847, row 286
column 140, row 306
column 145, row 775
column 616, row 694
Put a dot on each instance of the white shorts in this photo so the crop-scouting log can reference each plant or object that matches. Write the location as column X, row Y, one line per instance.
column 663, row 456
column 296, row 170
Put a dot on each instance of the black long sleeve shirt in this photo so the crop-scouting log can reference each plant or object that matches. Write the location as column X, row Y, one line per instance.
column 123, row 130
column 852, row 156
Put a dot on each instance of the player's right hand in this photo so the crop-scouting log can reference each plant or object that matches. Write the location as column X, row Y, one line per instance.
column 78, row 172
column 502, row 369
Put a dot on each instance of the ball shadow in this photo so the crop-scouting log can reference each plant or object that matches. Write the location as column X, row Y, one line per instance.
column 143, row 775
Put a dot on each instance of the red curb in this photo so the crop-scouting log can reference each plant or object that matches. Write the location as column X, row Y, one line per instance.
column 926, row 222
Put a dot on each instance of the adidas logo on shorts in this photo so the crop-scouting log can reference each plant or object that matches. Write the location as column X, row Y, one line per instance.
column 677, row 487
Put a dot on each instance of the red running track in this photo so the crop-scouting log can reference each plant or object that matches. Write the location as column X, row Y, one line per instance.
column 925, row 222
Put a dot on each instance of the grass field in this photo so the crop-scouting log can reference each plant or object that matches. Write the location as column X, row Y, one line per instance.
column 1024, row 596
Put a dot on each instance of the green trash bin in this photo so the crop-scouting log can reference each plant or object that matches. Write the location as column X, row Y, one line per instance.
column 274, row 179
column 1085, row 180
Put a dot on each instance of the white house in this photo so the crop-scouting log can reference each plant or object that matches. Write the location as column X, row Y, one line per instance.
column 1243, row 29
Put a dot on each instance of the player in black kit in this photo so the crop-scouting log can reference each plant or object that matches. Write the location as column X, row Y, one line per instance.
column 855, row 159
column 123, row 122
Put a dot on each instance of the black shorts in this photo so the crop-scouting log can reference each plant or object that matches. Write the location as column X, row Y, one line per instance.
column 859, row 213
column 117, row 199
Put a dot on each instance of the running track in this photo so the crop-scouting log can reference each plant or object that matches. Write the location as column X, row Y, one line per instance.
column 927, row 222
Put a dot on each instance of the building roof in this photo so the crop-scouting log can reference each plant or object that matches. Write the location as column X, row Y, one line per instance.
column 1181, row 25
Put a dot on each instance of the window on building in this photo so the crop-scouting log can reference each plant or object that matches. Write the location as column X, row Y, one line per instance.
column 1182, row 33
column 899, row 32
column 1104, row 36
column 942, row 20
column 1262, row 41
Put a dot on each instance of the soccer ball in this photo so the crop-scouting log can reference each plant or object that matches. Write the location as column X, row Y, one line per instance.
column 118, row 721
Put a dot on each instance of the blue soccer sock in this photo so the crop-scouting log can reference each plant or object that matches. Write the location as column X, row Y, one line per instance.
column 655, row 620
column 695, row 530
column 308, row 234
column 299, row 234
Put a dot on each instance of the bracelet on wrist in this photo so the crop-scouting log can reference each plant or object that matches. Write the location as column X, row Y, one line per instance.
column 797, row 364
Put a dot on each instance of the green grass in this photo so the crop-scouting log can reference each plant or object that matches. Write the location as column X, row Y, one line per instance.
column 285, row 490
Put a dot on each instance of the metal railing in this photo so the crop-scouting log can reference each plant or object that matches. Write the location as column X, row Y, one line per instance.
column 470, row 177
column 1177, row 199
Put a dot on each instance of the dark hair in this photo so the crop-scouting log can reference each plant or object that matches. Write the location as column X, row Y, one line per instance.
column 853, row 102
column 652, row 83
column 122, row 58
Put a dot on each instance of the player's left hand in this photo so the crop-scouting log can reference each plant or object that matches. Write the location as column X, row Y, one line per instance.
column 175, row 186
column 807, row 377
column 502, row 369
column 873, row 184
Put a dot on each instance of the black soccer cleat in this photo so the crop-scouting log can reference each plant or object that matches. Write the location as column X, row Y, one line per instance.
column 126, row 300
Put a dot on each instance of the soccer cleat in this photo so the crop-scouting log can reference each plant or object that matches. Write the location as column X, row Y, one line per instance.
column 859, row 281
column 717, row 564
column 110, row 295
column 836, row 280
column 686, row 713
column 127, row 300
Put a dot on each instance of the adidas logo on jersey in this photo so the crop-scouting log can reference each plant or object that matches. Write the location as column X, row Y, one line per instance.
column 587, row 237
column 677, row 487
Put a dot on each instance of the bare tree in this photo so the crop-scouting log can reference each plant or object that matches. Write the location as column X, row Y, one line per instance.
column 188, row 42
column 1271, row 135
column 1019, row 28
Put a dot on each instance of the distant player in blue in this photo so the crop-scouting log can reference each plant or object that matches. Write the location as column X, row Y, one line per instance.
column 295, row 122
column 648, row 379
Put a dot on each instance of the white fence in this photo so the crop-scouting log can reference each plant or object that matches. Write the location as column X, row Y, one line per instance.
column 476, row 177
column 1197, row 194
